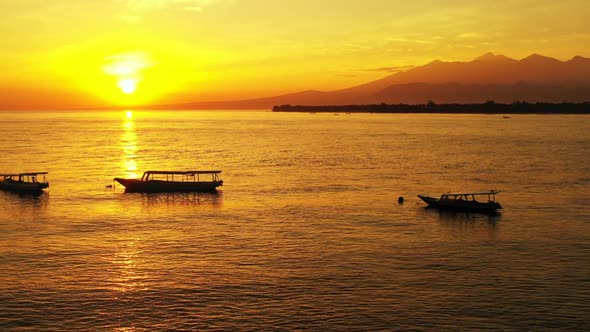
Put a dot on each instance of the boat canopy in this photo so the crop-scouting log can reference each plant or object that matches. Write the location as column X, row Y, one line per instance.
column 11, row 175
column 491, row 195
column 27, row 178
column 185, row 175
column 182, row 172
column 491, row 192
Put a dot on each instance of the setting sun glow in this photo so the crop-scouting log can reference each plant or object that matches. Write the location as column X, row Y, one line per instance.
column 128, row 69
column 125, row 53
column 128, row 86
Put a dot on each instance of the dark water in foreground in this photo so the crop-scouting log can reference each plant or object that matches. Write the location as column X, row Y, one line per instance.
column 306, row 233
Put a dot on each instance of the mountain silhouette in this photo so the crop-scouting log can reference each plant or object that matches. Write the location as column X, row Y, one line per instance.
column 535, row 78
column 498, row 69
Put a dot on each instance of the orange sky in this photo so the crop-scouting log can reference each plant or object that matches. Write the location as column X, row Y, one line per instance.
column 86, row 53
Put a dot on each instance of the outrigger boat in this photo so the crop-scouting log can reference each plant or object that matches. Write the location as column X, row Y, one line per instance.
column 30, row 182
column 173, row 181
column 464, row 202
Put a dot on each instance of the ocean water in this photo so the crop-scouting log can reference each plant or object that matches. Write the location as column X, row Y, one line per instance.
column 306, row 233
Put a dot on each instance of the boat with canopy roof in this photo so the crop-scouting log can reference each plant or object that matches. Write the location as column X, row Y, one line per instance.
column 465, row 201
column 29, row 182
column 173, row 181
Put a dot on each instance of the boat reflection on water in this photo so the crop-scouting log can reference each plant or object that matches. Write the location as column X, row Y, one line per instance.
column 458, row 222
column 33, row 198
column 26, row 203
column 458, row 216
column 195, row 199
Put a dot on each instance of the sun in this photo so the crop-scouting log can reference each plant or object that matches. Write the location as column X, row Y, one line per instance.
column 127, row 76
column 127, row 85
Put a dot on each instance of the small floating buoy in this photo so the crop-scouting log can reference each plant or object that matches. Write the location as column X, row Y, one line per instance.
column 400, row 200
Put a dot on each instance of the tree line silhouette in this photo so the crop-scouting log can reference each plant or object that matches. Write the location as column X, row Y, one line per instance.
column 489, row 107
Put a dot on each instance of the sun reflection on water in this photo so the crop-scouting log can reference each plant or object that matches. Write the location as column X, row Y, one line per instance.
column 129, row 145
column 129, row 276
column 127, row 329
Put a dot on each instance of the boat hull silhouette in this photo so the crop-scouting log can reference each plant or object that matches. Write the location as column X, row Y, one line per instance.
column 463, row 202
column 156, row 186
column 173, row 181
column 23, row 182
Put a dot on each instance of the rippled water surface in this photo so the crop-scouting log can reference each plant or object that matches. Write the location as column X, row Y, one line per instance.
column 306, row 233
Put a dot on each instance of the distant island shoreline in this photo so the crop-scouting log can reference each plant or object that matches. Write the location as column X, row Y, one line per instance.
column 489, row 107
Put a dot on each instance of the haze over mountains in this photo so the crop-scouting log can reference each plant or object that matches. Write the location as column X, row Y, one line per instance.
column 535, row 78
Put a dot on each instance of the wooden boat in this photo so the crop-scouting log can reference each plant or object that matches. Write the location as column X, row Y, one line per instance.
column 464, row 202
column 173, row 181
column 30, row 182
